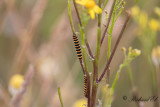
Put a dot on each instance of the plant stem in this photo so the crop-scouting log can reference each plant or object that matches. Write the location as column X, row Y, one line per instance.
column 95, row 72
column 70, row 16
column 84, row 40
column 158, row 79
column 84, row 43
column 114, row 84
column 109, row 19
column 60, row 97
column 72, row 27
column 105, row 2
column 95, row 62
column 115, row 47
column 134, row 91
column 130, row 75
column 79, row 19
column 98, row 49
column 110, row 31
column 89, row 50
column 83, row 48
column 153, row 77
column 117, row 76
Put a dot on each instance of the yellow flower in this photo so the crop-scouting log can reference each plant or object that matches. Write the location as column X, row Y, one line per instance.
column 157, row 11
column 92, row 7
column 154, row 24
column 80, row 103
column 143, row 19
column 16, row 81
column 135, row 10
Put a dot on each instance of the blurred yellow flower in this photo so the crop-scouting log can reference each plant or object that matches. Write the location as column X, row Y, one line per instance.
column 80, row 103
column 154, row 24
column 143, row 19
column 16, row 81
column 157, row 11
column 156, row 55
column 91, row 5
column 135, row 10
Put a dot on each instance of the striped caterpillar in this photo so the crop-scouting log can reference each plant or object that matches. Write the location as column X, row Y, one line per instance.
column 77, row 46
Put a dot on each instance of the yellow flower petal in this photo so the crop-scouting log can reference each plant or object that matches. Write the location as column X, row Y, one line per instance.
column 97, row 9
column 90, row 4
column 16, row 81
column 92, row 13
column 81, row 2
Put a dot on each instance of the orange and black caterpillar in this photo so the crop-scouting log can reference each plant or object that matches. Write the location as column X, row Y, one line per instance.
column 77, row 46
column 85, row 86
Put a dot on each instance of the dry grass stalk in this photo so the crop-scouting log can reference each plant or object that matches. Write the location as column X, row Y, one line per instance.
column 15, row 102
column 28, row 35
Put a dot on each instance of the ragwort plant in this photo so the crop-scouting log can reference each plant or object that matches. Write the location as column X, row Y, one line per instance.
column 89, row 9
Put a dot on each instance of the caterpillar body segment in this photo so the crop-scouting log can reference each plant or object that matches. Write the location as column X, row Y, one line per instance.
column 77, row 46
column 85, row 86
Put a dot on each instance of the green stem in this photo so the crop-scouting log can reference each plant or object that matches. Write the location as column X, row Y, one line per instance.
column 83, row 47
column 118, row 4
column 108, row 21
column 105, row 2
column 70, row 15
column 84, row 42
column 81, row 27
column 117, row 76
column 153, row 76
column 109, row 46
column 134, row 91
column 119, row 13
column 98, row 45
column 110, row 32
column 130, row 75
column 60, row 97
column 114, row 49
column 95, row 63
column 114, row 84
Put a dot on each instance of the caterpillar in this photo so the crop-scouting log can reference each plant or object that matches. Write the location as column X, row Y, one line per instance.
column 77, row 46
column 85, row 86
